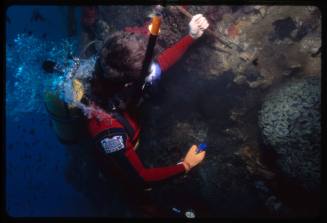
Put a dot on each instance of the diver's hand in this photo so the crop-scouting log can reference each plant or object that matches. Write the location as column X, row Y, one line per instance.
column 197, row 26
column 193, row 158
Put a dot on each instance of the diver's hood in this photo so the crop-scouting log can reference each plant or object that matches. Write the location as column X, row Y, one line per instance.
column 113, row 76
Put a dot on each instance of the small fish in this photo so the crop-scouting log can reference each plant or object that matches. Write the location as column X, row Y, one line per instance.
column 29, row 33
column 8, row 19
column 37, row 16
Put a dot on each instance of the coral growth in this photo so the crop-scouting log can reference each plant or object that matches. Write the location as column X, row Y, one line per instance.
column 290, row 124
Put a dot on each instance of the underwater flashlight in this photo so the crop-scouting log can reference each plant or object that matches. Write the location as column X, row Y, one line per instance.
column 201, row 147
column 154, row 32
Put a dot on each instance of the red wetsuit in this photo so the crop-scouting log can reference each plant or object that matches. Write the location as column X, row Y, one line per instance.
column 114, row 144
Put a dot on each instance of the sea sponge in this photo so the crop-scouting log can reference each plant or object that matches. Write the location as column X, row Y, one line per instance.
column 290, row 123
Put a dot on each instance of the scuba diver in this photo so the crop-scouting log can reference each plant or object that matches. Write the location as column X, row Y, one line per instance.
column 113, row 105
column 113, row 123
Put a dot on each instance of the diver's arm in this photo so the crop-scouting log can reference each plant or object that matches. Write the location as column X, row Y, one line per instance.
column 171, row 55
column 153, row 174
column 114, row 144
column 168, row 58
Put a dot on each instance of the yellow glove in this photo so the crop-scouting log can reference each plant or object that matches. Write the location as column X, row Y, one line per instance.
column 193, row 158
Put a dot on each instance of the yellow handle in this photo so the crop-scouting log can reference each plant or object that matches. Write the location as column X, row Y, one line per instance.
column 78, row 91
column 155, row 25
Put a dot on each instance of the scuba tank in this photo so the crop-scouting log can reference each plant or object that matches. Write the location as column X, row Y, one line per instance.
column 66, row 119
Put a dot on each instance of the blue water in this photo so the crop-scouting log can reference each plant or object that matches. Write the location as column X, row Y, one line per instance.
column 35, row 180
